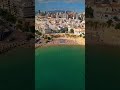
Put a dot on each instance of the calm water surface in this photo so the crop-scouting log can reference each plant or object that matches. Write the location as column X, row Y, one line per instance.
column 17, row 69
column 60, row 68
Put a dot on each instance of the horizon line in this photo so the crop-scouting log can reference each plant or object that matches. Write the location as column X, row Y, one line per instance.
column 60, row 10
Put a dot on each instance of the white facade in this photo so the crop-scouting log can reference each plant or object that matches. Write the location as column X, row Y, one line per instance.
column 78, row 31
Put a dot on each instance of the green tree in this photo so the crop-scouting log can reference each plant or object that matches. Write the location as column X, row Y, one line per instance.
column 63, row 30
column 89, row 12
column 117, row 26
column 109, row 22
column 49, row 38
column 37, row 32
column 66, row 29
column 80, row 35
column 71, row 31
column 116, row 18
column 83, row 36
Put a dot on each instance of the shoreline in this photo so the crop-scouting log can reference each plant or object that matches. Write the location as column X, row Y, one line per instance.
column 63, row 41
column 5, row 49
column 58, row 45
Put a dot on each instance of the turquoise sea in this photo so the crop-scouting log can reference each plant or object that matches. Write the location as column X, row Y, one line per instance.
column 17, row 69
column 60, row 68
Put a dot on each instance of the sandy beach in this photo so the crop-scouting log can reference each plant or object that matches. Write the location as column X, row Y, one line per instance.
column 63, row 41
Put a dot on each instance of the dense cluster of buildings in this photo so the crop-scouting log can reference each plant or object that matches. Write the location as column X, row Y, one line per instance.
column 19, row 8
column 22, row 10
column 105, row 10
column 56, row 21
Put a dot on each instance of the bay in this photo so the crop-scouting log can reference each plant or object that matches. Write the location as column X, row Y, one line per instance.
column 60, row 68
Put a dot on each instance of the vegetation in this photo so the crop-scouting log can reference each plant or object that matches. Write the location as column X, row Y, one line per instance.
column 64, row 30
column 37, row 32
column 71, row 31
column 89, row 12
column 83, row 36
column 117, row 26
column 80, row 35
column 7, row 16
column 109, row 22
column 83, row 33
column 116, row 18
column 49, row 38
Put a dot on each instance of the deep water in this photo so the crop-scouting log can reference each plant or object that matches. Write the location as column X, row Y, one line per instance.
column 60, row 68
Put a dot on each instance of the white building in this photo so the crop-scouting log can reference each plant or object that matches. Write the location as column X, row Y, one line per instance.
column 78, row 31
column 106, row 11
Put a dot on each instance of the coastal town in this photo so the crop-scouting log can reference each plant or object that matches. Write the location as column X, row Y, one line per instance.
column 16, row 24
column 104, row 17
column 58, row 27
